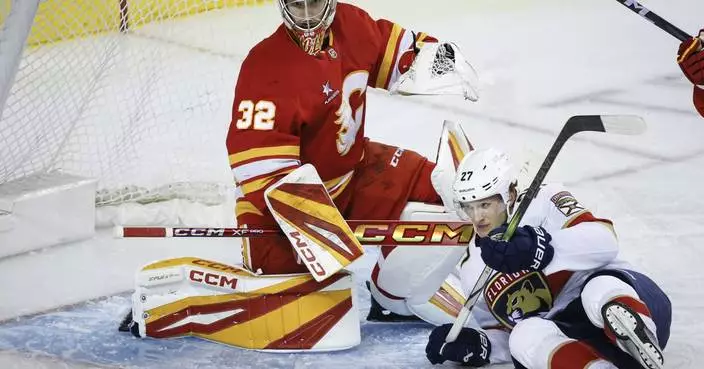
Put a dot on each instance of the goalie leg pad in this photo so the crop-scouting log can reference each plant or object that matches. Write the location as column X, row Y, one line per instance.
column 415, row 274
column 388, row 301
column 453, row 146
column 445, row 304
column 230, row 305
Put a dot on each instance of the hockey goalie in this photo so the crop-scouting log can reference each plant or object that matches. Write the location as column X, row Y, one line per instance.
column 299, row 156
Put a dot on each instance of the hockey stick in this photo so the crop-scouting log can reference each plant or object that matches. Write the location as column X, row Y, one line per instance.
column 619, row 124
column 655, row 19
column 367, row 232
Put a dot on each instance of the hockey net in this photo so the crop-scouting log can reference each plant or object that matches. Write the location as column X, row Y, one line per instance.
column 134, row 93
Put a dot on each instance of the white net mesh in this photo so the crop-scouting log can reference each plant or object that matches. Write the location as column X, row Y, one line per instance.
column 145, row 110
column 439, row 69
column 444, row 61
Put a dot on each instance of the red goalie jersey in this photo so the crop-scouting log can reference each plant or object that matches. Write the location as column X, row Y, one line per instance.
column 292, row 108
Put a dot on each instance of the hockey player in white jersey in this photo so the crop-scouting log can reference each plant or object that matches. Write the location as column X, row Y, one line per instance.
column 561, row 298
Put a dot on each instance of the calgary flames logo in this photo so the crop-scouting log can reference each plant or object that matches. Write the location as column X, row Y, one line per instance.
column 351, row 111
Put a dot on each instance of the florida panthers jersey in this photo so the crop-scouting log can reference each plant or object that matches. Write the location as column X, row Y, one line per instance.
column 582, row 243
column 291, row 108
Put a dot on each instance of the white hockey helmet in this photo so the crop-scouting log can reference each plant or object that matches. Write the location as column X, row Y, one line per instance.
column 484, row 173
column 308, row 20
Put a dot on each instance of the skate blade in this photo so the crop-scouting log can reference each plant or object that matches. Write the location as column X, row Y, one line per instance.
column 630, row 330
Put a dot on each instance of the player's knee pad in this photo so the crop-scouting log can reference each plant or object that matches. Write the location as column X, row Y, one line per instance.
column 533, row 339
column 539, row 343
column 600, row 290
column 230, row 305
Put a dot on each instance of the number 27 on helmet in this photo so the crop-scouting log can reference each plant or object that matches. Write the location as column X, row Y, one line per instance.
column 482, row 174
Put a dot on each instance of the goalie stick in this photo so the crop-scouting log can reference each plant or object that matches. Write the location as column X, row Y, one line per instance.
column 648, row 14
column 619, row 124
column 367, row 232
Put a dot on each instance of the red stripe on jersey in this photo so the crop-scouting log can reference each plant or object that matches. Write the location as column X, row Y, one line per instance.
column 587, row 217
column 573, row 354
column 637, row 305
column 558, row 280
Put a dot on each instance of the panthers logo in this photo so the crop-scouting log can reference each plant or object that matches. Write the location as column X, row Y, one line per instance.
column 527, row 301
column 517, row 296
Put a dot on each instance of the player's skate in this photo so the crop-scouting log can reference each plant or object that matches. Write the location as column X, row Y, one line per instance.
column 632, row 334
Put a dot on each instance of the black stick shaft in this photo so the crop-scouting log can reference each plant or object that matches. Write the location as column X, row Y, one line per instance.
column 655, row 19
column 576, row 124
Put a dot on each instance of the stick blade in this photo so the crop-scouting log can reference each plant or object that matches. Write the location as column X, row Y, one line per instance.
column 623, row 124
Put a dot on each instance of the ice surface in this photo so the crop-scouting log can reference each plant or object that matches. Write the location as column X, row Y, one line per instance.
column 540, row 62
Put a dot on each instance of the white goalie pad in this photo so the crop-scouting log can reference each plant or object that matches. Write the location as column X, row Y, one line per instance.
column 453, row 146
column 416, row 273
column 418, row 280
column 439, row 69
column 444, row 305
column 230, row 305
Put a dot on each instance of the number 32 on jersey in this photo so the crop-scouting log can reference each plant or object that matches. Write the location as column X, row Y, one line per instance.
column 259, row 116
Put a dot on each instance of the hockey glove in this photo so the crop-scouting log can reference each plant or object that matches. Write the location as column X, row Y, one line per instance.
column 471, row 347
column 690, row 57
column 528, row 249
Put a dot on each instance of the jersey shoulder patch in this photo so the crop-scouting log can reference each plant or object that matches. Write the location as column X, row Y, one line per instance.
column 562, row 199
column 566, row 203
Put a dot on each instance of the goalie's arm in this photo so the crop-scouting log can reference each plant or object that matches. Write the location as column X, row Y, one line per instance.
column 262, row 148
column 399, row 50
column 396, row 49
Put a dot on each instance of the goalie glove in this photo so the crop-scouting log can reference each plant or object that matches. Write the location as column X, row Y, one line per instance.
column 438, row 69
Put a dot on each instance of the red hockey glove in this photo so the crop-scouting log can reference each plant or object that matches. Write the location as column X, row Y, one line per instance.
column 699, row 100
column 690, row 57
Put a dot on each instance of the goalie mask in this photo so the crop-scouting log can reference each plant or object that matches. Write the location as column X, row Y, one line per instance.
column 480, row 175
column 307, row 21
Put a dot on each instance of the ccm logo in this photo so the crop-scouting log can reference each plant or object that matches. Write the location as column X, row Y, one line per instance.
column 634, row 4
column 308, row 257
column 199, row 232
column 396, row 157
column 212, row 279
